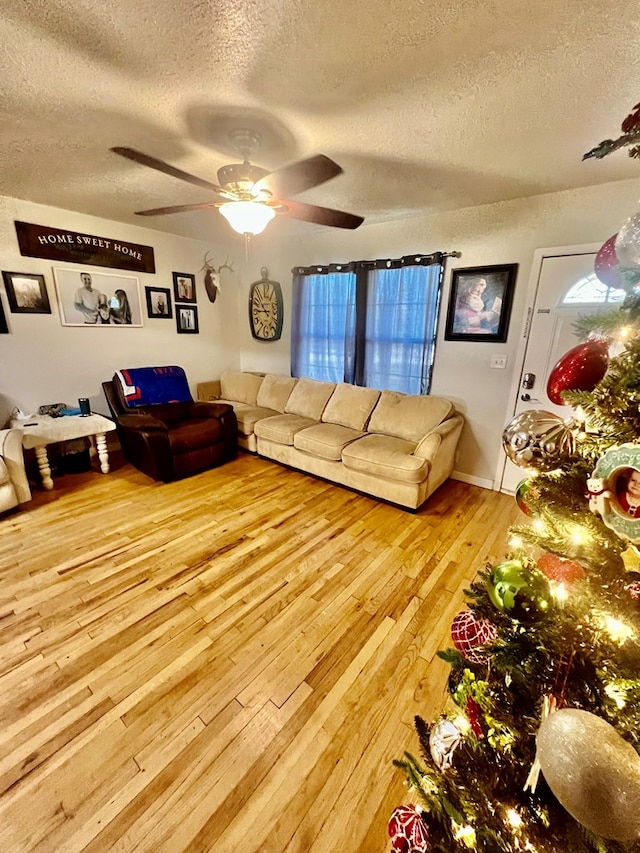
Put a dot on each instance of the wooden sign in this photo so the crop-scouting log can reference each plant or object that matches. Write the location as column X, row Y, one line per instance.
column 41, row 241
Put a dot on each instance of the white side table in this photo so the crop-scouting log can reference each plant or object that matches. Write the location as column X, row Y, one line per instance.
column 42, row 430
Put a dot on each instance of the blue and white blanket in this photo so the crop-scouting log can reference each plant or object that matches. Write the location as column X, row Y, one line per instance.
column 145, row 386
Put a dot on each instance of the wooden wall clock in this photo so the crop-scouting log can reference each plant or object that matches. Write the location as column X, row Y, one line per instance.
column 265, row 308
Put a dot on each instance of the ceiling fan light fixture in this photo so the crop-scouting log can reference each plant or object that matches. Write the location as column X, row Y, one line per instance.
column 247, row 217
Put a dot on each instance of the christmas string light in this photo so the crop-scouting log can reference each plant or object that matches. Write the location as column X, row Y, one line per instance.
column 617, row 630
column 466, row 834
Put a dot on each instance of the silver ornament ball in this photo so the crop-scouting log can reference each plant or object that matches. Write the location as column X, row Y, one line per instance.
column 627, row 245
column 538, row 440
column 443, row 740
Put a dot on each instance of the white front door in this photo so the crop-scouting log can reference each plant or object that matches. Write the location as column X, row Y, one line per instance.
column 550, row 336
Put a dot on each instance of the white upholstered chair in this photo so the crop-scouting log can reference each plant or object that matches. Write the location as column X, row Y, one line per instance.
column 14, row 486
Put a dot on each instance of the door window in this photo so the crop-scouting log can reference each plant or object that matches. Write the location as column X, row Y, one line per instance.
column 589, row 290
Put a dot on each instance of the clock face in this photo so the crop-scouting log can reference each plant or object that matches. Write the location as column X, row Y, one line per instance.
column 265, row 310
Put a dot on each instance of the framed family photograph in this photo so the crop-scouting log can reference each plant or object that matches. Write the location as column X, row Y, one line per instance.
column 480, row 303
column 97, row 298
column 614, row 490
column 27, row 293
column 158, row 303
column 186, row 320
column 184, row 287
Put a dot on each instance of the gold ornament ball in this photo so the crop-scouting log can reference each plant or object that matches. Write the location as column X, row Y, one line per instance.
column 592, row 771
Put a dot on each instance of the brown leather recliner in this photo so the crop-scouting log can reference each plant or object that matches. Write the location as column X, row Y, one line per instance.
column 168, row 441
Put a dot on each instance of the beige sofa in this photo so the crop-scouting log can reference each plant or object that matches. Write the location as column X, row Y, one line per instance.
column 14, row 485
column 393, row 446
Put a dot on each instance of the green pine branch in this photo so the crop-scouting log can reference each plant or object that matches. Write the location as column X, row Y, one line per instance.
column 584, row 651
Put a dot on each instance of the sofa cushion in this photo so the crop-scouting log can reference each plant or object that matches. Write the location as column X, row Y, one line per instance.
column 282, row 428
column 196, row 434
column 275, row 391
column 249, row 415
column 386, row 456
column 408, row 416
column 243, row 387
column 309, row 398
column 350, row 406
column 325, row 440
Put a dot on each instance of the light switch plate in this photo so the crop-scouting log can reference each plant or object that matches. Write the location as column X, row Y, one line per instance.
column 499, row 361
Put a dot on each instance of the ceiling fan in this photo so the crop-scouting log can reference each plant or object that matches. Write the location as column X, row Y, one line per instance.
column 252, row 195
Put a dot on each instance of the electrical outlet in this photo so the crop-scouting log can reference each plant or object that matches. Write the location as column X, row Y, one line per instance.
column 499, row 361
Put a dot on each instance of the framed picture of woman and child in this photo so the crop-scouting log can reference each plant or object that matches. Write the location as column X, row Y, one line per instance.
column 480, row 303
column 97, row 298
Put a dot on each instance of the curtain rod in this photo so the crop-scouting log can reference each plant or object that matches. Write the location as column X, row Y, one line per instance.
column 417, row 259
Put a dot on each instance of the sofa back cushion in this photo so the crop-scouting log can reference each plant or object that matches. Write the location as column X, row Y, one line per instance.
column 350, row 406
column 309, row 398
column 275, row 391
column 241, row 387
column 408, row 416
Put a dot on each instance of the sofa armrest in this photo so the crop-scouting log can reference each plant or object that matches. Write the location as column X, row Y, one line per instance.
column 439, row 448
column 209, row 390
column 446, row 435
column 11, row 452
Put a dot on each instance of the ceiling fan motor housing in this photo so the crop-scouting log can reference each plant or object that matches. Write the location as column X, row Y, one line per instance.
column 240, row 177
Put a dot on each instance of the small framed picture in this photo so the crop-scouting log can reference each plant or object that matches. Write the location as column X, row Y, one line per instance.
column 184, row 287
column 27, row 293
column 480, row 303
column 4, row 328
column 158, row 303
column 186, row 320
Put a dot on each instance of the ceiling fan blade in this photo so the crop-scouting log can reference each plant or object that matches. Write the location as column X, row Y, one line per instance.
column 300, row 176
column 322, row 215
column 176, row 208
column 160, row 166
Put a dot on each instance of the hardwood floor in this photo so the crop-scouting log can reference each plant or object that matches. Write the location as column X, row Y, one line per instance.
column 226, row 663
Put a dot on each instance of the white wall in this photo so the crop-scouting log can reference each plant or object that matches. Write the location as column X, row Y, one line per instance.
column 508, row 232
column 42, row 361
column 274, row 251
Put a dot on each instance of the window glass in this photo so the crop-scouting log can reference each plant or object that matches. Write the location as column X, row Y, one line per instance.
column 400, row 328
column 591, row 291
column 323, row 317
column 375, row 326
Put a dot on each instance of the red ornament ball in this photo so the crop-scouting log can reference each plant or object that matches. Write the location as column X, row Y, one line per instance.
column 474, row 713
column 521, row 496
column 470, row 635
column 408, row 831
column 606, row 264
column 634, row 590
column 561, row 571
column 580, row 369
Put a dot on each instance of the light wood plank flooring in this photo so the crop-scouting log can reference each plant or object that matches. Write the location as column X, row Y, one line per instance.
column 226, row 663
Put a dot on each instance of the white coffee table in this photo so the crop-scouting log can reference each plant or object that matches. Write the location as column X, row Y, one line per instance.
column 42, row 430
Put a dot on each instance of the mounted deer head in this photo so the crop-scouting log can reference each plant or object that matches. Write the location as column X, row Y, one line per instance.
column 212, row 276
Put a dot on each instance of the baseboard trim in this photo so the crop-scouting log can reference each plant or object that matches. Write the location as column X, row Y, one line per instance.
column 473, row 481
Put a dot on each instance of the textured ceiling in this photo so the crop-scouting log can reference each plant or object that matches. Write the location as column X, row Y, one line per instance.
column 427, row 106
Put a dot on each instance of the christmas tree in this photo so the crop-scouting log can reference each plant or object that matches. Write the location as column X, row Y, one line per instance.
column 537, row 749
